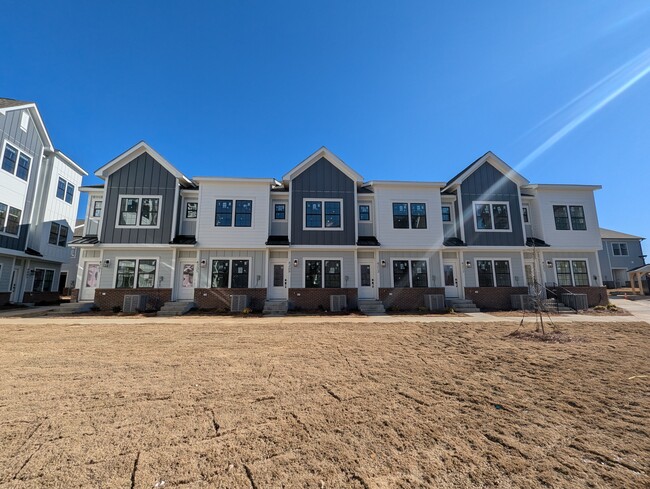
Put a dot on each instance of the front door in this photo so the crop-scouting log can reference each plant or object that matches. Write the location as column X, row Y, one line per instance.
column 90, row 281
column 185, row 286
column 16, row 284
column 450, row 275
column 278, row 280
column 367, row 289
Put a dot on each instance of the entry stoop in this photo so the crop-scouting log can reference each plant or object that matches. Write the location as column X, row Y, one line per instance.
column 371, row 307
column 462, row 305
column 275, row 307
column 175, row 308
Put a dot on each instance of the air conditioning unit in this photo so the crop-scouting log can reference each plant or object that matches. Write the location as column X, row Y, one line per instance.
column 338, row 303
column 238, row 303
column 434, row 302
column 134, row 303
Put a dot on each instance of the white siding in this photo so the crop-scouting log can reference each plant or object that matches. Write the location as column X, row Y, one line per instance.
column 279, row 228
column 256, row 270
column 164, row 257
column 386, row 273
column 296, row 274
column 592, row 264
column 470, row 277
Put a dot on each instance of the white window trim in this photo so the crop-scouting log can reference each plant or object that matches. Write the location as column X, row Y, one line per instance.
column 568, row 210
column 190, row 201
column 286, row 211
column 573, row 280
column 24, row 121
column 322, row 201
column 94, row 201
column 137, row 259
column 18, row 153
column 408, row 208
column 232, row 213
column 494, row 272
column 65, row 192
column 322, row 268
column 369, row 204
column 3, row 225
column 230, row 259
column 490, row 202
column 527, row 207
column 619, row 243
column 137, row 220
column 34, row 278
column 58, row 236
column 392, row 275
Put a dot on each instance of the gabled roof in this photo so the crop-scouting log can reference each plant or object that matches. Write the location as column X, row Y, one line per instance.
column 68, row 161
column 132, row 153
column 610, row 234
column 7, row 104
column 323, row 152
column 496, row 162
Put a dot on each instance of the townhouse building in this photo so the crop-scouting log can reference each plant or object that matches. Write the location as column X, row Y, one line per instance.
column 323, row 237
column 39, row 198
column 621, row 253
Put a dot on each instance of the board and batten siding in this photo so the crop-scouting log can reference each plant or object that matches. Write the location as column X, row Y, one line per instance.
column 489, row 184
column 608, row 259
column 14, row 191
column 164, row 257
column 589, row 256
column 386, row 273
column 257, row 266
column 297, row 273
column 142, row 176
column 323, row 180
column 470, row 277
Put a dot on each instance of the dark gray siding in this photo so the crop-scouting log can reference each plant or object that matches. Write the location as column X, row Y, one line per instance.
column 30, row 143
column 488, row 183
column 142, row 176
column 322, row 180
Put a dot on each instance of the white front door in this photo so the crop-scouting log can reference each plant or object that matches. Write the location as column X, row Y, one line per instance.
column 278, row 279
column 90, row 281
column 450, row 277
column 16, row 284
column 185, row 285
column 367, row 276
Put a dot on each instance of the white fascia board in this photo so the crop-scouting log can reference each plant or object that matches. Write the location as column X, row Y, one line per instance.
column 397, row 183
column 268, row 181
column 561, row 186
column 68, row 161
column 91, row 190
column 317, row 155
column 38, row 121
column 497, row 163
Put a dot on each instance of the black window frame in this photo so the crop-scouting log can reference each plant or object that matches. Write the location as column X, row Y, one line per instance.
column 13, row 163
column 191, row 210
column 488, row 216
column 69, row 193
column 22, row 171
column 318, row 273
column 43, row 280
column 562, row 222
column 490, row 272
column 401, row 215
column 239, row 280
column 365, row 213
column 401, row 270
column 60, row 188
column 280, row 215
column 419, row 278
column 97, row 211
column 225, row 212
column 446, row 216
column 53, row 238
column 224, row 274
column 125, row 274
column 15, row 222
column 565, row 274
column 620, row 245
column 149, row 274
column 4, row 213
column 332, row 280
column 418, row 220
column 313, row 274
column 310, row 210
column 243, row 216
column 578, row 221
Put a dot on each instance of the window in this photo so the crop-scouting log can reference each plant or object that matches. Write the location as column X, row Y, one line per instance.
column 243, row 213
column 24, row 163
column 9, row 159
column 415, row 219
column 314, row 270
column 364, row 212
column 138, row 211
column 493, row 273
column 446, row 213
column 54, row 233
column 280, row 212
column 524, row 212
column 16, row 162
column 126, row 274
column 492, row 216
column 63, row 236
column 97, row 208
column 572, row 273
column 620, row 249
column 410, row 273
column 191, row 210
column 3, row 216
column 43, row 280
column 230, row 273
column 323, row 214
column 60, row 188
column 569, row 217
column 69, row 193
column 13, row 221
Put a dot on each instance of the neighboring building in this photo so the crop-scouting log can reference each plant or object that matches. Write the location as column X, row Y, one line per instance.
column 324, row 231
column 621, row 253
column 69, row 270
column 39, row 198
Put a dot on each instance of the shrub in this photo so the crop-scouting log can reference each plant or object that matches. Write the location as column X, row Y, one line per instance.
column 600, row 308
column 117, row 309
column 246, row 311
column 612, row 307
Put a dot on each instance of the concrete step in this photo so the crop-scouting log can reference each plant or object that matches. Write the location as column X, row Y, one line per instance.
column 371, row 307
column 175, row 308
column 462, row 305
column 275, row 308
column 68, row 308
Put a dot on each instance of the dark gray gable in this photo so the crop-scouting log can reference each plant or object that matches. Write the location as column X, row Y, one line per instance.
column 488, row 183
column 322, row 180
column 142, row 176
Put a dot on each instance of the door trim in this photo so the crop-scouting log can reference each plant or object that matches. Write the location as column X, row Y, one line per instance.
column 374, row 280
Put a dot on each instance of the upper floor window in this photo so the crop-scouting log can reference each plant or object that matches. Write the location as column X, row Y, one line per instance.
column 138, row 211
column 410, row 273
column 620, row 249
column 572, row 273
column 16, row 162
column 323, row 274
column 230, row 273
column 524, row 213
column 97, row 208
column 413, row 215
column 243, row 210
column 191, row 210
column 64, row 190
column 280, row 212
column 58, row 234
column 9, row 219
column 364, row 212
column 569, row 217
column 133, row 273
column 493, row 273
column 323, row 214
column 446, row 213
column 492, row 216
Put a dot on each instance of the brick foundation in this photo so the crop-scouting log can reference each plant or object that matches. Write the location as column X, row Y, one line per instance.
column 4, row 298
column 220, row 298
column 74, row 295
column 43, row 298
column 107, row 299
column 596, row 296
column 407, row 298
column 493, row 298
column 313, row 299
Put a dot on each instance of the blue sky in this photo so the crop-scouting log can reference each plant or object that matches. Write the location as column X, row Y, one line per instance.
column 399, row 90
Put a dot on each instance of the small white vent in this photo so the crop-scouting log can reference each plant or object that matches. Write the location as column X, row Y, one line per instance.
column 338, row 303
column 238, row 303
column 134, row 303
column 434, row 302
column 24, row 121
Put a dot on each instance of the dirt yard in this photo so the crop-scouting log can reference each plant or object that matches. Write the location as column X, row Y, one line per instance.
column 253, row 404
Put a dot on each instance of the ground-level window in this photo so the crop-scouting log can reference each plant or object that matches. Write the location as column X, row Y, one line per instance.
column 43, row 280
column 230, row 273
column 410, row 273
column 493, row 273
column 323, row 273
column 572, row 273
column 620, row 249
column 128, row 270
